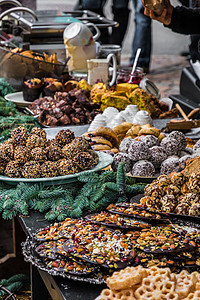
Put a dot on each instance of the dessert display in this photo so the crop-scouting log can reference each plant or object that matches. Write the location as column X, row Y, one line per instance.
column 149, row 155
column 32, row 156
column 151, row 283
column 66, row 108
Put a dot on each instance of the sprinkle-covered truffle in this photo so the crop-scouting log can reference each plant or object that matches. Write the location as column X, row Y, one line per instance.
column 48, row 169
column 81, row 144
column 34, row 141
column 54, row 153
column 38, row 154
column 13, row 169
column 150, row 140
column 170, row 146
column 124, row 145
column 169, row 165
column 22, row 154
column 180, row 138
column 2, row 166
column 64, row 137
column 66, row 167
column 122, row 157
column 158, row 155
column 138, row 151
column 6, row 152
column 31, row 169
column 19, row 135
column 84, row 161
column 143, row 168
column 40, row 132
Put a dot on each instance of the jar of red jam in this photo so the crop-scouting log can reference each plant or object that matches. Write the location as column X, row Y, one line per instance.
column 137, row 76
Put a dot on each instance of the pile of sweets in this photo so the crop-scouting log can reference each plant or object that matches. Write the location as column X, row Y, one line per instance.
column 69, row 106
column 148, row 155
column 126, row 94
column 177, row 193
column 152, row 283
column 33, row 156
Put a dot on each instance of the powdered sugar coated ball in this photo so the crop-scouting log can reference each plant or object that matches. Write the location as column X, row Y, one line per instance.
column 170, row 146
column 180, row 138
column 120, row 157
column 124, row 145
column 143, row 168
column 158, row 155
column 138, row 151
column 169, row 165
column 149, row 140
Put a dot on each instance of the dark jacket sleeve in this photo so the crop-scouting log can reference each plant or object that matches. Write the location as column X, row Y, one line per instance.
column 185, row 20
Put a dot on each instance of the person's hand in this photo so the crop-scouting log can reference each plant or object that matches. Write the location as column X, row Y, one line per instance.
column 165, row 17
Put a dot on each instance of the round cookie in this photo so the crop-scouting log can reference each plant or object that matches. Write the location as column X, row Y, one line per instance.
column 138, row 151
column 122, row 157
column 143, row 168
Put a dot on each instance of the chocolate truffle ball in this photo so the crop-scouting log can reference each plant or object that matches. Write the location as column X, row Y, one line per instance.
column 138, row 151
column 143, row 168
column 31, row 169
column 35, row 141
column 64, row 137
column 49, row 169
column 95, row 156
column 22, row 154
column 122, row 157
column 149, row 140
column 38, row 154
column 81, row 144
column 19, row 135
column 158, row 155
column 40, row 132
column 13, row 169
column 6, row 152
column 180, row 138
column 169, row 165
column 54, row 153
column 124, row 145
column 170, row 146
column 69, row 151
column 84, row 161
column 66, row 167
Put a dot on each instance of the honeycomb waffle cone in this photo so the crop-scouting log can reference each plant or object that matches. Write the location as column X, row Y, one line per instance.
column 126, row 278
